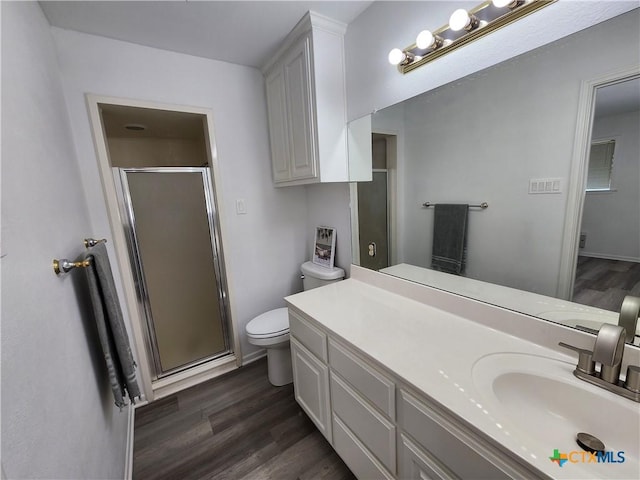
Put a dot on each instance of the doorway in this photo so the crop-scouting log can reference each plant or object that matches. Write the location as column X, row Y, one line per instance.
column 159, row 167
column 608, row 260
column 172, row 246
column 375, row 206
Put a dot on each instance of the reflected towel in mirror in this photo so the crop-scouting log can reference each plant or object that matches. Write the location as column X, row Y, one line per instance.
column 449, row 238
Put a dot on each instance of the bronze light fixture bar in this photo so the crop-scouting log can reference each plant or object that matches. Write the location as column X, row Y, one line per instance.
column 463, row 28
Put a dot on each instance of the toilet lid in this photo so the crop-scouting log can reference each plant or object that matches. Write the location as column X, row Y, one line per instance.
column 269, row 324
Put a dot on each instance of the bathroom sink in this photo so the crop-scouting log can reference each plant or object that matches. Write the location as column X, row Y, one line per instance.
column 538, row 400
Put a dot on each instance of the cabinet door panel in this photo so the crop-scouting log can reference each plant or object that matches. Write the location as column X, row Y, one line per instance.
column 416, row 464
column 359, row 460
column 423, row 424
column 297, row 71
column 278, row 130
column 311, row 387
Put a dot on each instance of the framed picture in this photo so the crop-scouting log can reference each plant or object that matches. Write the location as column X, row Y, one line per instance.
column 324, row 246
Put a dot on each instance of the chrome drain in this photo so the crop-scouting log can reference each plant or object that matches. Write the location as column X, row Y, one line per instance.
column 589, row 443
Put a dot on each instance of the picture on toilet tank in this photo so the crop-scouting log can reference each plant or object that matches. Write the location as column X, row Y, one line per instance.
column 324, row 248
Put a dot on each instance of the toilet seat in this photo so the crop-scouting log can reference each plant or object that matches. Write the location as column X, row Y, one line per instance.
column 270, row 325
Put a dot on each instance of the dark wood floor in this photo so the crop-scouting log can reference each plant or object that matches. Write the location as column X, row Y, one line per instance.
column 604, row 283
column 237, row 426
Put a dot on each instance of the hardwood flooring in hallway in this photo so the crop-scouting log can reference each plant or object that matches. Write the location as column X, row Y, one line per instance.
column 237, row 426
column 604, row 283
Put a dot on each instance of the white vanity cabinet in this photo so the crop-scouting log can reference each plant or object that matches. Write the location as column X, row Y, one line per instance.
column 432, row 446
column 381, row 427
column 306, row 103
column 310, row 372
column 362, row 407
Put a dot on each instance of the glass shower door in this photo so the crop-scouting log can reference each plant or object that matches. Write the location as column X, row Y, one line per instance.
column 175, row 253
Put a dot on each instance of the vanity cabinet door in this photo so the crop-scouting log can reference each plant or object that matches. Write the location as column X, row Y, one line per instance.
column 297, row 72
column 311, row 387
column 292, row 131
column 416, row 464
column 444, row 441
column 278, row 127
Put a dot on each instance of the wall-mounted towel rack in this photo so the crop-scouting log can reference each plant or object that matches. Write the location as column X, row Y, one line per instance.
column 482, row 205
column 63, row 265
column 90, row 242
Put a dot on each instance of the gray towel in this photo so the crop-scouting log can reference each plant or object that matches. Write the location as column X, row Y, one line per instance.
column 449, row 238
column 111, row 329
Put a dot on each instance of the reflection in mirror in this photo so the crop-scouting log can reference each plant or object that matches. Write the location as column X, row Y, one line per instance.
column 507, row 136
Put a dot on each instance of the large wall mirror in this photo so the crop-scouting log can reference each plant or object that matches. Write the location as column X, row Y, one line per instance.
column 549, row 140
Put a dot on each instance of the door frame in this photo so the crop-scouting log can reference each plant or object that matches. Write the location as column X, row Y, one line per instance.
column 578, row 176
column 392, row 202
column 168, row 385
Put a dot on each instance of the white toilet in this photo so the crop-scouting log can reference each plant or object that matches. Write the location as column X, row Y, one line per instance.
column 271, row 329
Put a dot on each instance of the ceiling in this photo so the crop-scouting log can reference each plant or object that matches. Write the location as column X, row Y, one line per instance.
column 155, row 123
column 242, row 32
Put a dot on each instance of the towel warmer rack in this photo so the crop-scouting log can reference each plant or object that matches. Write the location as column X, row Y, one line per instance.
column 482, row 205
column 63, row 265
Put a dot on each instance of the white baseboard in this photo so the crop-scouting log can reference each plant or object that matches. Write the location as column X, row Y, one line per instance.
column 128, row 459
column 606, row 256
column 254, row 356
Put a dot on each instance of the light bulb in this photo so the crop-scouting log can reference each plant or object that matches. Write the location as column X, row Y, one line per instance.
column 459, row 19
column 396, row 56
column 425, row 39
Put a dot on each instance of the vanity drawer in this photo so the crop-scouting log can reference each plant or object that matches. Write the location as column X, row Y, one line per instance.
column 437, row 437
column 416, row 464
column 374, row 386
column 313, row 339
column 374, row 431
column 359, row 460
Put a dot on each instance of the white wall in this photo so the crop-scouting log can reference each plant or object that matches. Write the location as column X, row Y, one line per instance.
column 374, row 84
column 58, row 416
column 266, row 246
column 611, row 220
column 328, row 205
column 483, row 137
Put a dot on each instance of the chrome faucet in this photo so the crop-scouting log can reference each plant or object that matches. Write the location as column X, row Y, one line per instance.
column 629, row 314
column 608, row 350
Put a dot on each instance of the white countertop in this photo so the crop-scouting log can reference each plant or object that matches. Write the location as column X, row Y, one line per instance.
column 435, row 351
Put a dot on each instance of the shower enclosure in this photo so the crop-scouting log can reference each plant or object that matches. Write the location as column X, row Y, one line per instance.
column 175, row 251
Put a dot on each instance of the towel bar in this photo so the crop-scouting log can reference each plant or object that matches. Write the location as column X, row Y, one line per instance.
column 482, row 205
column 63, row 265
column 90, row 242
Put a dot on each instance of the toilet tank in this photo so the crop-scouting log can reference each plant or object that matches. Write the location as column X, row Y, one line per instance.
column 317, row 276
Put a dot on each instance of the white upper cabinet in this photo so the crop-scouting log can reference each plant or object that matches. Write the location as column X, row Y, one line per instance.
column 306, row 101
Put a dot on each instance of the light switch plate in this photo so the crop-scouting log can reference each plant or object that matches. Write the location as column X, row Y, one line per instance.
column 241, row 207
column 545, row 185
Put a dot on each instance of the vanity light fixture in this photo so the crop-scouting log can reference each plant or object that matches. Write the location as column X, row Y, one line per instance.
column 426, row 40
column 464, row 27
column 461, row 19
column 398, row 57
